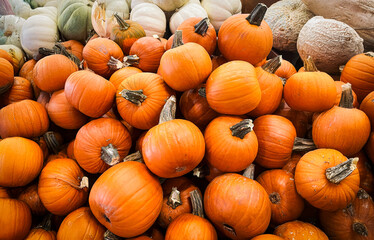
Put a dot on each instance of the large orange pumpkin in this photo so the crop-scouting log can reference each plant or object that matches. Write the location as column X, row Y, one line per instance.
column 297, row 230
column 6, row 75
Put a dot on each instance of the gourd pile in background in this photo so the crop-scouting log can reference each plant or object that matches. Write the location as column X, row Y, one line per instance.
column 185, row 122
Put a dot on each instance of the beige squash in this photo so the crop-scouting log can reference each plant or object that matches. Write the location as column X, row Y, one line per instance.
column 219, row 11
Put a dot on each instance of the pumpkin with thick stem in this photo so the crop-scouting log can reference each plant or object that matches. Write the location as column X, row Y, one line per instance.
column 6, row 75
column 20, row 90
column 338, row 85
column 327, row 173
column 231, row 144
column 343, row 127
column 31, row 197
column 100, row 144
column 367, row 106
column 118, row 76
column 297, row 230
column 43, row 231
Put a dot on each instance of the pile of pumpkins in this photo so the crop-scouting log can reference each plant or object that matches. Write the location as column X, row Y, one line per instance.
column 115, row 132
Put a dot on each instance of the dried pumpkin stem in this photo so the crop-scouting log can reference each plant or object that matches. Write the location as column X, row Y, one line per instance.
column 360, row 228
column 369, row 54
column 109, row 155
column 84, row 182
column 273, row 64
column 178, row 39
column 197, row 203
column 309, row 65
column 134, row 96
column 122, row 23
column 52, row 143
column 242, row 128
column 346, row 99
column 249, row 172
column 274, row 198
column 115, row 64
column 303, row 144
column 134, row 157
column 202, row 26
column 230, row 229
column 174, row 199
column 157, row 37
column 46, row 224
column 257, row 14
column 339, row 172
column 131, row 60
column 201, row 171
column 362, row 194
column 169, row 109
column 202, row 91
column 108, row 235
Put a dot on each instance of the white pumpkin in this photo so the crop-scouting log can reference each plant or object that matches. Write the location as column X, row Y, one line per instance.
column 20, row 8
column 17, row 55
column 150, row 17
column 170, row 5
column 50, row 12
column 219, row 11
column 53, row 3
column 38, row 31
column 187, row 11
column 10, row 29
column 135, row 3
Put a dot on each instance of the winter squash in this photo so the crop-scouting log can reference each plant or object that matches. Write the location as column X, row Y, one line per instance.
column 338, row 85
column 25, row 118
column 21, row 90
column 367, row 106
column 16, row 216
column 286, row 70
column 140, row 99
column 10, row 29
column 231, row 143
column 219, row 11
column 237, row 206
column 192, row 226
column 121, row 74
column 31, row 198
column 42, row 231
column 298, row 230
column 185, row 66
column 328, row 173
column 17, row 56
column 62, row 186
column 267, row 237
column 74, row 47
column 229, row 93
column 21, row 161
column 287, row 205
column 90, row 93
column 6, row 75
column 359, row 72
column 81, row 224
column 189, row 10
column 100, row 144
column 150, row 17
column 353, row 222
column 130, row 210
column 238, row 30
column 350, row 127
column 329, row 42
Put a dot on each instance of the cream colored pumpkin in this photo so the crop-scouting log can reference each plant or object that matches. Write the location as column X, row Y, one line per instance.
column 50, row 12
column 20, row 8
column 150, row 17
column 187, row 11
column 170, row 5
column 38, row 31
column 219, row 11
column 135, row 3
column 10, row 29
column 17, row 55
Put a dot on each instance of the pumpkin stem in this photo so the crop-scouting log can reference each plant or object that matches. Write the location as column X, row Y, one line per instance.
column 202, row 91
column 46, row 224
column 309, row 65
column 169, row 109
column 360, row 228
column 84, row 182
column 257, row 14
column 303, row 144
column 134, row 96
column 339, row 172
column 230, row 229
column 274, row 198
column 52, row 142
column 201, row 172
column 242, row 128
column 109, row 155
column 131, row 60
column 60, row 49
column 197, row 203
column 157, row 37
column 174, row 199
column 108, row 235
column 43, row 52
column 273, row 64
column 369, row 54
column 362, row 194
column 249, row 172
column 115, row 64
column 178, row 40
column 134, row 157
column 122, row 23
column 346, row 99
column 202, row 26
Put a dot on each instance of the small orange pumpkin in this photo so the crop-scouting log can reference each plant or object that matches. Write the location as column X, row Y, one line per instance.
column 6, row 75
column 21, row 90
column 118, row 76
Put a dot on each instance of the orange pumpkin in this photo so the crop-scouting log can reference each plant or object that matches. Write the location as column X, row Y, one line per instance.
column 74, row 47
column 4, row 193
column 292, row 163
column 118, row 76
column 298, row 230
column 367, row 106
column 217, row 61
column 31, row 197
column 70, row 150
column 6, row 75
column 21, row 90
column 286, row 70
column 42, row 231
column 267, row 237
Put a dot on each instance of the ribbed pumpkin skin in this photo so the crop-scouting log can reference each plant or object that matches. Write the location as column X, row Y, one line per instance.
column 89, row 93
column 180, row 148
column 233, row 88
column 147, row 114
column 225, row 152
column 26, row 70
column 25, row 118
column 31, row 197
column 131, row 209
column 97, row 134
column 121, row 74
column 286, row 70
column 15, row 219
column 276, row 136
column 312, row 183
column 125, row 38
column 298, row 230
column 367, row 106
column 239, row 202
column 74, row 47
column 21, row 161
column 190, row 227
column 267, row 237
column 6, row 75
column 41, row 234
column 59, row 186
column 81, row 224
column 50, row 73
column 185, row 67
column 21, row 90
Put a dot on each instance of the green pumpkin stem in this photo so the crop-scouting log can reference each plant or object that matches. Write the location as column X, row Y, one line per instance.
column 122, row 23
column 134, row 157
column 249, row 172
column 303, row 144
column 242, row 128
column 108, row 235
column 197, row 203
column 257, row 14
column 202, row 26
column 52, row 142
column 174, row 199
column 273, row 64
column 109, row 154
column 178, row 39
column 202, row 91
column 169, row 109
column 339, row 172
column 134, row 96
column 309, row 65
column 201, row 171
column 346, row 99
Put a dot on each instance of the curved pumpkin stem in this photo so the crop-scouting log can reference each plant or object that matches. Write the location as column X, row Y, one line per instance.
column 346, row 99
column 309, row 65
column 303, row 144
column 52, row 143
column 169, row 109
column 339, row 172
column 273, row 64
column 249, row 172
column 134, row 157
column 122, row 23
column 257, row 14
column 108, row 235
column 202, row 26
column 109, row 155
column 115, row 64
column 201, row 171
column 157, row 37
column 134, row 96
column 131, row 60
column 242, row 128
column 197, row 203
column 178, row 39
column 174, row 199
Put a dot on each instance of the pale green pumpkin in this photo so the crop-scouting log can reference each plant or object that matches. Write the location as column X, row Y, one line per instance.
column 74, row 19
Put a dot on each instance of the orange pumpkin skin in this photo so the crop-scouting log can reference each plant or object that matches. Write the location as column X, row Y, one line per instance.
column 60, row 186
column 118, row 76
column 6, row 75
column 185, row 67
column 50, row 73
column 21, row 90
column 227, row 209
column 74, row 47
column 130, row 210
column 80, row 224
column 217, row 61
column 126, row 33
column 26, row 70
column 286, row 70
column 338, row 85
column 15, row 219
column 97, row 54
column 297, row 230
column 366, row 173
column 147, row 113
column 292, row 163
column 41, row 234
column 31, row 198
column 367, row 106
column 233, row 88
column 276, row 136
column 21, row 161
column 25, row 118
column 4, row 193
column 226, row 152
column 180, row 148
column 99, row 133
column 353, row 222
column 267, row 237
column 89, row 93
column 63, row 114
column 4, row 54
column 312, row 183
column 369, row 148
column 70, row 150
column 287, row 205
